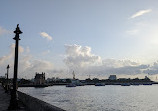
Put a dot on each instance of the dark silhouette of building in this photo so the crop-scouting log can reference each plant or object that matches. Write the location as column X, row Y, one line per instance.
column 39, row 78
column 112, row 77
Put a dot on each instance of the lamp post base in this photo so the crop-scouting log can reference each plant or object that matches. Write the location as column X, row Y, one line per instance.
column 13, row 102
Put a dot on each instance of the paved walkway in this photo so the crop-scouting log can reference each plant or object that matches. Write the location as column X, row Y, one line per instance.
column 5, row 100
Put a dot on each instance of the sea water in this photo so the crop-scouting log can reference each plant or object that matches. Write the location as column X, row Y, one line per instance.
column 99, row 98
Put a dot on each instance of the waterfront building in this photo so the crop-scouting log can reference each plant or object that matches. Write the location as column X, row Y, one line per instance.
column 112, row 77
column 39, row 78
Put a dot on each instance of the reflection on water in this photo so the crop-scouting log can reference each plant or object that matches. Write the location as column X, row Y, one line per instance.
column 105, row 98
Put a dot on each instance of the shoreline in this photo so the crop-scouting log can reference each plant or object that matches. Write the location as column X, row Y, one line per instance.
column 64, row 84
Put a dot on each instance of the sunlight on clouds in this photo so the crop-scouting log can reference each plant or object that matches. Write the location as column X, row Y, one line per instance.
column 79, row 56
column 140, row 13
column 45, row 35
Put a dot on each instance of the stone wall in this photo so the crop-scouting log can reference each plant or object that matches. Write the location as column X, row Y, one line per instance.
column 34, row 104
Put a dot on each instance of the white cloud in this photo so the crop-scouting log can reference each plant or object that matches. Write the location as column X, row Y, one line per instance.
column 118, row 63
column 140, row 13
column 153, row 69
column 78, row 56
column 11, row 54
column 118, row 67
column 3, row 31
column 27, row 64
column 45, row 35
column 83, row 62
column 21, row 49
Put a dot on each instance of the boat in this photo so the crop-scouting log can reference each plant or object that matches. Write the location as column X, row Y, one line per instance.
column 148, row 83
column 100, row 84
column 71, row 85
column 79, row 84
column 125, row 84
column 135, row 84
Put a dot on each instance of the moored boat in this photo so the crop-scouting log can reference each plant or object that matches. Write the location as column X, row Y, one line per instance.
column 100, row 84
column 125, row 84
column 135, row 84
column 148, row 83
column 71, row 85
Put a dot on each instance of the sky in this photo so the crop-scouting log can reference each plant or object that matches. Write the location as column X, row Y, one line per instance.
column 91, row 37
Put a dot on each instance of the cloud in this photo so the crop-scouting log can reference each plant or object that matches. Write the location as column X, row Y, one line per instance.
column 118, row 63
column 27, row 64
column 78, row 56
column 21, row 49
column 83, row 62
column 9, row 59
column 45, row 35
column 153, row 69
column 3, row 31
column 140, row 13
column 118, row 67
column 11, row 54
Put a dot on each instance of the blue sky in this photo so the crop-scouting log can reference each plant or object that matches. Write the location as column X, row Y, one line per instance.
column 115, row 30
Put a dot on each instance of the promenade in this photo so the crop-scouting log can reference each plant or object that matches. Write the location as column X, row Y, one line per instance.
column 5, row 100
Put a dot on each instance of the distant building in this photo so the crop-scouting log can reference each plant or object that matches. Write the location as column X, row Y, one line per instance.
column 39, row 78
column 112, row 77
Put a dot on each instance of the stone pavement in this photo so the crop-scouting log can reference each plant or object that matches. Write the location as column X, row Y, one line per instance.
column 5, row 100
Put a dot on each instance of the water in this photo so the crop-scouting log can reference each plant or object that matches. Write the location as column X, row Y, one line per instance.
column 102, row 98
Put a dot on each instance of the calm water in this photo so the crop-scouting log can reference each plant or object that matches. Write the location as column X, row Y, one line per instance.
column 102, row 98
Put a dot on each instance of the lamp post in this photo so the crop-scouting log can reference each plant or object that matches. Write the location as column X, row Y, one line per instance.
column 4, row 82
column 7, row 83
column 14, row 101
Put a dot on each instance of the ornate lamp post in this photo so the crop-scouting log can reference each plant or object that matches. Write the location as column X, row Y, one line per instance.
column 14, row 100
column 7, row 83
